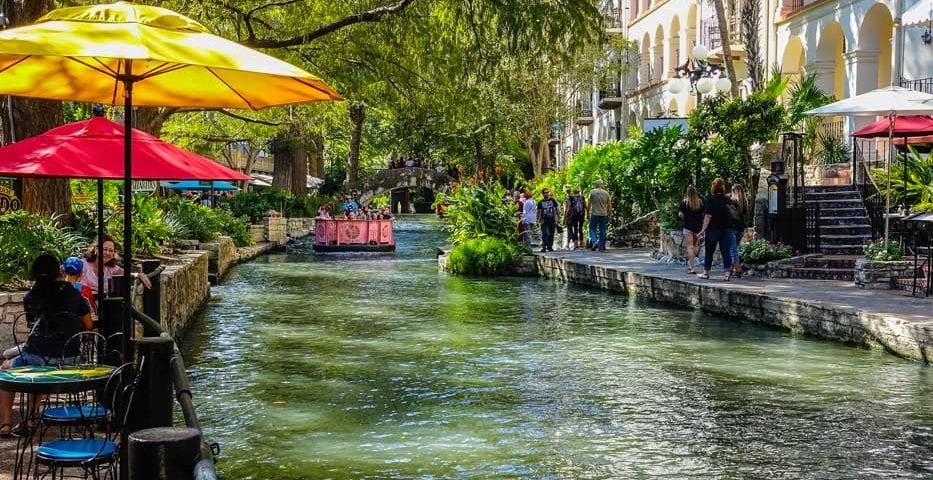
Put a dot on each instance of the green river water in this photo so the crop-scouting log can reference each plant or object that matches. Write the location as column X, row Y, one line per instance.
column 357, row 366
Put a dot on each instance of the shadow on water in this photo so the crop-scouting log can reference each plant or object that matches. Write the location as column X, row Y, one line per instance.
column 376, row 366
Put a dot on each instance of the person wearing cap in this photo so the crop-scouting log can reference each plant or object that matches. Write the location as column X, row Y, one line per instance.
column 348, row 205
column 73, row 268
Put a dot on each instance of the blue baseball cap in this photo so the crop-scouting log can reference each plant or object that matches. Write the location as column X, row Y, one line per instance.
column 73, row 266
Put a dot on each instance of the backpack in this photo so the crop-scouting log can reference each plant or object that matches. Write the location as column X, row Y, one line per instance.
column 578, row 206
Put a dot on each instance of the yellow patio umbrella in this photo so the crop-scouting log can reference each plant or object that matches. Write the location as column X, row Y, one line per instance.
column 135, row 55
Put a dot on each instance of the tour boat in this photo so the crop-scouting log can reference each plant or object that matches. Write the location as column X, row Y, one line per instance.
column 339, row 235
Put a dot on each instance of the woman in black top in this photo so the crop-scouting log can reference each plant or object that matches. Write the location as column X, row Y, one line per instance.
column 738, row 230
column 691, row 211
column 60, row 312
column 718, row 222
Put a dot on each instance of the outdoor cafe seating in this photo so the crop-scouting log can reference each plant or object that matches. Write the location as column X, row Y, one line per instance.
column 72, row 412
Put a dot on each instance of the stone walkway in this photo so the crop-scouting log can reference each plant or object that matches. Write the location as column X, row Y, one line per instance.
column 838, row 310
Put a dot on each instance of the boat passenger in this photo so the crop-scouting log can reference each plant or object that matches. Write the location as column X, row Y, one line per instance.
column 387, row 213
column 350, row 204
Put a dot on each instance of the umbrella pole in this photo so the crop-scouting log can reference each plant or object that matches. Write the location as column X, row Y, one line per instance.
column 101, row 287
column 887, row 194
column 906, row 171
column 127, row 206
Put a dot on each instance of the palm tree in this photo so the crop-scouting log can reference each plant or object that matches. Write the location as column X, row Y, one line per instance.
column 726, row 46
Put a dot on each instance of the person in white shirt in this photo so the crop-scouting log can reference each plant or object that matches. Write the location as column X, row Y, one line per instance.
column 529, row 218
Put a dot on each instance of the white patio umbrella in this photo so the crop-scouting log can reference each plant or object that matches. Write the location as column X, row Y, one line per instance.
column 919, row 15
column 891, row 101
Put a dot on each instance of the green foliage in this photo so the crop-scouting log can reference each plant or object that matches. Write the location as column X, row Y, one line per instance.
column 758, row 252
column 152, row 229
column 199, row 221
column 919, row 175
column 480, row 211
column 255, row 205
column 833, row 149
column 878, row 252
column 483, row 256
column 24, row 236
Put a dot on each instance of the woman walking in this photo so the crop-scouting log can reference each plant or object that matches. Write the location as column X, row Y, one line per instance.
column 691, row 211
column 741, row 207
column 718, row 221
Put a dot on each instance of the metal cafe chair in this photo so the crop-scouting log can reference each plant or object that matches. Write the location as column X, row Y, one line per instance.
column 97, row 455
column 82, row 411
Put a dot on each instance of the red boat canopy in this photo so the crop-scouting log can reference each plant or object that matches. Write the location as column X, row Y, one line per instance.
column 94, row 149
column 907, row 126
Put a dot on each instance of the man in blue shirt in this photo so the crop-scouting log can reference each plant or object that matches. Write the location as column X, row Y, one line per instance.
column 350, row 205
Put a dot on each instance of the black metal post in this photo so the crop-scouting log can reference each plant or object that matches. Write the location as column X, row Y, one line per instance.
column 152, row 298
column 111, row 324
column 164, row 453
column 154, row 399
column 128, row 330
column 101, row 287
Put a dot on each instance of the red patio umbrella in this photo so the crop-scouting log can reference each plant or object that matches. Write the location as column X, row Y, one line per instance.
column 907, row 126
column 909, row 129
column 94, row 149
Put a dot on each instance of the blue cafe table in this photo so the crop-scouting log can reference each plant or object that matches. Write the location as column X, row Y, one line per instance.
column 45, row 380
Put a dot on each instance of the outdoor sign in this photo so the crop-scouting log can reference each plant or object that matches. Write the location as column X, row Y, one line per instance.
column 9, row 202
column 656, row 123
column 145, row 185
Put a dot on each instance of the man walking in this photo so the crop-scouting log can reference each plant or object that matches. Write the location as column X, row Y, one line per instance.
column 600, row 211
column 547, row 216
column 574, row 214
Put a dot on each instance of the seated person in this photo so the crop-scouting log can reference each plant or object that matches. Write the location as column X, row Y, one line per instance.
column 350, row 204
column 73, row 268
column 60, row 312
column 386, row 213
column 111, row 266
column 323, row 213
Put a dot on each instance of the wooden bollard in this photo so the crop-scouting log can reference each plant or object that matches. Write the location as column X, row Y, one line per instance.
column 167, row 453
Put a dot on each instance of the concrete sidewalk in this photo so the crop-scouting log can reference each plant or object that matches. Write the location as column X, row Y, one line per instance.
column 837, row 310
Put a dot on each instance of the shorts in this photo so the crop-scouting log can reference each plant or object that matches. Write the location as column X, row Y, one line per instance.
column 27, row 358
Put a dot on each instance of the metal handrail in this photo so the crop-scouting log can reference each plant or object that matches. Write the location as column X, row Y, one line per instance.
column 204, row 469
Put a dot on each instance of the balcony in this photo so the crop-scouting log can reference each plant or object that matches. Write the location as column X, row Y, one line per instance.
column 924, row 85
column 790, row 7
column 610, row 97
column 585, row 113
column 614, row 21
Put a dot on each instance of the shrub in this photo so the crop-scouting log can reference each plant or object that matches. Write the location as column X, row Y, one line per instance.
column 24, row 236
column 254, row 205
column 483, row 256
column 878, row 252
column 480, row 211
column 758, row 252
column 152, row 228
column 237, row 228
column 199, row 221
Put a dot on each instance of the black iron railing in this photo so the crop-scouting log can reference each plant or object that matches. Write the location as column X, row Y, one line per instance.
column 585, row 109
column 874, row 207
column 812, row 228
column 924, row 85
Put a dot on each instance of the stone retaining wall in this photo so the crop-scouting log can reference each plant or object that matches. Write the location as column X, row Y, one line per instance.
column 643, row 232
column 674, row 249
column 257, row 232
column 11, row 306
column 276, row 230
column 184, row 289
column 223, row 254
column 299, row 227
column 875, row 275
column 831, row 321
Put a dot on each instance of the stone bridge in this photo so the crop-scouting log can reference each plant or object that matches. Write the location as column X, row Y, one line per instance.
column 392, row 179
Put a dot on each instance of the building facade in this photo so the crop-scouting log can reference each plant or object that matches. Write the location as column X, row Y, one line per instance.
column 848, row 44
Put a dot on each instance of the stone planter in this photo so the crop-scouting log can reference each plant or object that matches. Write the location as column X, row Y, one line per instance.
column 673, row 248
column 643, row 232
column 875, row 275
column 832, row 174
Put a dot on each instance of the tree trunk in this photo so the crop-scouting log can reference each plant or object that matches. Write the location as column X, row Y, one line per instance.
column 316, row 155
column 478, row 147
column 151, row 119
column 530, row 145
column 32, row 117
column 357, row 116
column 281, row 167
column 726, row 39
column 540, row 161
column 299, row 167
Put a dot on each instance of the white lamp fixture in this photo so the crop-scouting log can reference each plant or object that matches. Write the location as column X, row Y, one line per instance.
column 700, row 53
column 705, row 85
column 723, row 84
column 675, row 85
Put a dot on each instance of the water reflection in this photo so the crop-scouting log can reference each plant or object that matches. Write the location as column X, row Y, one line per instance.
column 361, row 366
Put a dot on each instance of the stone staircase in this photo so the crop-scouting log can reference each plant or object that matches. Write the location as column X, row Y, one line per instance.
column 844, row 230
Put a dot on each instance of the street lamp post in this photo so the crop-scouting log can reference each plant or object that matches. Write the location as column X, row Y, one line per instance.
column 701, row 77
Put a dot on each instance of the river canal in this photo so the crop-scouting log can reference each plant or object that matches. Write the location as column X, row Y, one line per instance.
column 355, row 366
